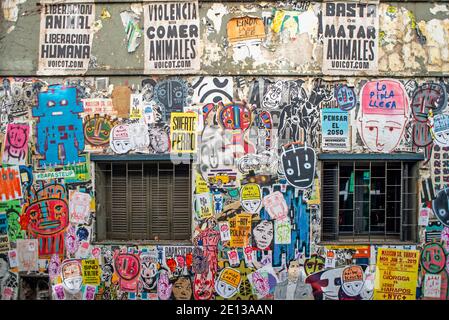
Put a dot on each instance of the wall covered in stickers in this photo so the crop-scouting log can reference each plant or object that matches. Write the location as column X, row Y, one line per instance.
column 261, row 119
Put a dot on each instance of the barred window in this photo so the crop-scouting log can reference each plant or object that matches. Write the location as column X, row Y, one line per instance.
column 369, row 201
column 142, row 200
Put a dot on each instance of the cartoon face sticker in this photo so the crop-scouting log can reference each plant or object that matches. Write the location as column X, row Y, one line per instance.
column 79, row 207
column 164, row 288
column 48, row 216
column 272, row 99
column 203, row 286
column 71, row 274
column 383, row 114
column 345, row 97
column 299, row 166
column 172, row 94
column 275, row 205
column 433, row 258
column 429, row 96
column 314, row 264
column 127, row 266
column 263, row 234
column 440, row 206
column 352, row 280
column 250, row 197
column 228, row 282
column 325, row 284
column 120, row 141
column 439, row 126
column 182, row 289
column 235, row 116
column 97, row 129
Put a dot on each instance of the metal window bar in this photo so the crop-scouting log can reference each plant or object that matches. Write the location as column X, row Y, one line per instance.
column 397, row 213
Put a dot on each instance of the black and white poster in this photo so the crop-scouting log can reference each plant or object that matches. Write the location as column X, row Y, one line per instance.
column 65, row 38
column 351, row 37
column 172, row 37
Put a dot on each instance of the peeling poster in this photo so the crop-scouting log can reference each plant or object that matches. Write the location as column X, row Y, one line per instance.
column 172, row 36
column 65, row 38
column 350, row 35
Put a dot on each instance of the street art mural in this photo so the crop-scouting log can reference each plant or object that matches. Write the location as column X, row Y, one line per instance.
column 383, row 114
column 59, row 131
column 256, row 194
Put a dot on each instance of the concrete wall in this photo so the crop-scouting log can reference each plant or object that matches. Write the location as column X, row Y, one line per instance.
column 280, row 98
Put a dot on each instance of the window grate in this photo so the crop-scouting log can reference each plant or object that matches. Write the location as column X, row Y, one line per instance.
column 369, row 201
column 143, row 200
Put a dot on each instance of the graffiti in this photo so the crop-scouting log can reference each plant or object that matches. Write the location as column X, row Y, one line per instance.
column 10, row 186
column 263, row 162
column 439, row 129
column 127, row 267
column 172, row 94
column 204, row 206
column 79, row 207
column 282, row 231
column 71, row 274
column 263, row 234
column 250, row 197
column 273, row 98
column 275, row 205
column 212, row 90
column 383, row 114
column 97, row 130
column 16, row 143
column 59, row 134
column 440, row 206
column 46, row 217
column 228, row 282
column 159, row 139
column 225, row 231
column 299, row 164
column 263, row 281
column 203, row 286
column 245, row 35
column 346, row 98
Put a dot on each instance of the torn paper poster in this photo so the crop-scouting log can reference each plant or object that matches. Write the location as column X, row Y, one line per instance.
column 66, row 37
column 130, row 21
column 11, row 10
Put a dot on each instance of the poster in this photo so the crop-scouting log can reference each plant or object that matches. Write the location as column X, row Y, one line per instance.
column 172, row 37
column 27, row 254
column 10, row 185
column 91, row 271
column 99, row 106
column 66, row 37
column 15, row 145
column 136, row 106
column 183, row 132
column 335, row 129
column 240, row 230
column 203, row 206
column 396, row 274
column 4, row 240
column 350, row 36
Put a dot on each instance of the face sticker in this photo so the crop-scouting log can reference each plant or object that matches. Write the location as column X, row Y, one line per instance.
column 263, row 234
column 299, row 166
column 250, row 197
column 228, row 282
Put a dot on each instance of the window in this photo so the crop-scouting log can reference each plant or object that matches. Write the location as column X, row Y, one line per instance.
column 369, row 201
column 147, row 200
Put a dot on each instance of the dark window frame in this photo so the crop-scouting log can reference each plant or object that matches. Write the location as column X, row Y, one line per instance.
column 330, row 202
column 159, row 177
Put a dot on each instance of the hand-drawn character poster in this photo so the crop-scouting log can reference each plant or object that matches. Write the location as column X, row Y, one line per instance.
column 172, row 37
column 350, row 33
column 65, row 38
